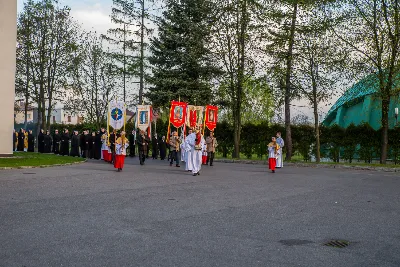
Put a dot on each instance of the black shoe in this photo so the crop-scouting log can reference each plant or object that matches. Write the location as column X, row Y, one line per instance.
column 211, row 165
column 273, row 171
column 170, row 164
column 194, row 174
column 198, row 173
column 177, row 166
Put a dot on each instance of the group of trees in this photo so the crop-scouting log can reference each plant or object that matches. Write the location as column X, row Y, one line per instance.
column 59, row 62
column 249, row 57
column 297, row 49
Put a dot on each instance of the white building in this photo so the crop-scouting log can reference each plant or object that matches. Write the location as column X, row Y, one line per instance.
column 60, row 116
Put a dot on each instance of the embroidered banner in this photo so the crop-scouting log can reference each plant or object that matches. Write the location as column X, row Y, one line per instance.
column 116, row 114
column 195, row 116
column 211, row 117
column 143, row 119
column 177, row 116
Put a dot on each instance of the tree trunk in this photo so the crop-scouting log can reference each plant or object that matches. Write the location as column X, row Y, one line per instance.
column 141, row 88
column 385, row 128
column 317, row 141
column 243, row 21
column 26, row 111
column 288, row 141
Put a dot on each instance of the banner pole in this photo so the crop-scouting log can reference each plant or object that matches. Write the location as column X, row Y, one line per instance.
column 108, row 124
column 124, row 116
column 169, row 124
column 204, row 124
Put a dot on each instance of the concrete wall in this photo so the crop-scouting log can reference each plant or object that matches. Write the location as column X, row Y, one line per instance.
column 8, row 40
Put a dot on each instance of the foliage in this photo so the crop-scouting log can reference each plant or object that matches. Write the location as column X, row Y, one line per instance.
column 47, row 38
column 181, row 62
column 92, row 81
column 371, row 29
column 350, row 141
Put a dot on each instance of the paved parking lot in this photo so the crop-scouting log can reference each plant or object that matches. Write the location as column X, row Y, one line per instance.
column 231, row 215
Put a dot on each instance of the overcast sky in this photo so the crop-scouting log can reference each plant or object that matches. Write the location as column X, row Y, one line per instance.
column 94, row 15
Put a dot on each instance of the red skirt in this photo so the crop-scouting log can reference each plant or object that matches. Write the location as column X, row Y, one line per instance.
column 105, row 155
column 119, row 161
column 272, row 163
column 204, row 159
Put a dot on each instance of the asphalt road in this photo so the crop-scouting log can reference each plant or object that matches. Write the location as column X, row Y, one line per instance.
column 231, row 215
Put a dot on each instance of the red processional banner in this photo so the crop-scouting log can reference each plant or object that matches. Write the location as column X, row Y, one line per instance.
column 195, row 116
column 211, row 117
column 177, row 116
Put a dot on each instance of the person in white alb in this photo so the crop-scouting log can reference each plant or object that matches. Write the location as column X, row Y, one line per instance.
column 281, row 143
column 188, row 154
column 196, row 142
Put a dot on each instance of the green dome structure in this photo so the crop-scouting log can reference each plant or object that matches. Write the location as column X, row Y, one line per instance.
column 361, row 104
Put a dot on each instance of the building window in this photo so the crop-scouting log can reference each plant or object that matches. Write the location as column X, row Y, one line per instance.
column 29, row 116
column 54, row 119
column 69, row 118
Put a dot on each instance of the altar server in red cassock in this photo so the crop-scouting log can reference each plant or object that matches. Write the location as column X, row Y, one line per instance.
column 121, row 144
column 273, row 153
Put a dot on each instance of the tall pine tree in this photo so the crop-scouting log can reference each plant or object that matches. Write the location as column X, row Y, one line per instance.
column 182, row 66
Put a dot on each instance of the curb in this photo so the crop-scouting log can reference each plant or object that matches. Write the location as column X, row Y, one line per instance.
column 312, row 165
column 42, row 166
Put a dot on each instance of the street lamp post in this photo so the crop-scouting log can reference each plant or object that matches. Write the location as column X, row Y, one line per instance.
column 396, row 113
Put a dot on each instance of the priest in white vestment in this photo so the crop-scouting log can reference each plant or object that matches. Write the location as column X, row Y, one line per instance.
column 196, row 142
column 281, row 143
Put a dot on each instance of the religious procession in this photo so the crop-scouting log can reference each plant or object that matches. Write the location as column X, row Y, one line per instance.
column 184, row 142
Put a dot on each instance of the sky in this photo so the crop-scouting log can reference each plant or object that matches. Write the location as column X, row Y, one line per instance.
column 94, row 15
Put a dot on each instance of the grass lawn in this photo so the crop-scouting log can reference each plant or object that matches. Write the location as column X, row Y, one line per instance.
column 35, row 159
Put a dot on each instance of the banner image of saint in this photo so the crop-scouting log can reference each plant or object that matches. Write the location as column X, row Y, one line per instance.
column 178, row 113
column 177, row 116
column 143, row 117
column 116, row 114
column 195, row 116
column 211, row 117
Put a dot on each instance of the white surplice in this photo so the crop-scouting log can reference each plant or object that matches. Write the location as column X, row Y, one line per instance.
column 279, row 158
column 196, row 154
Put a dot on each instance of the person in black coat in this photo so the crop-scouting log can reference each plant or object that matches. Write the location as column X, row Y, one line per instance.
column 163, row 148
column 14, row 139
column 31, row 142
column 113, row 138
column 92, row 144
column 56, row 142
column 82, row 144
column 75, row 145
column 143, row 144
column 47, row 142
column 64, row 143
column 132, row 143
column 97, row 145
column 21, row 140
column 154, row 143
column 86, row 139
column 41, row 141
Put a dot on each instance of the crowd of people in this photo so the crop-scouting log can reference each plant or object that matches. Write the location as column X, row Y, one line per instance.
column 193, row 149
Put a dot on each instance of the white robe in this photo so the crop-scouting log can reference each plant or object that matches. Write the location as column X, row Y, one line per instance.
column 120, row 149
column 103, row 145
column 279, row 158
column 183, row 152
column 188, row 155
column 196, row 154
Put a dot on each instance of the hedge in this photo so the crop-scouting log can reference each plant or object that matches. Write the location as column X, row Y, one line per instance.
column 360, row 142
